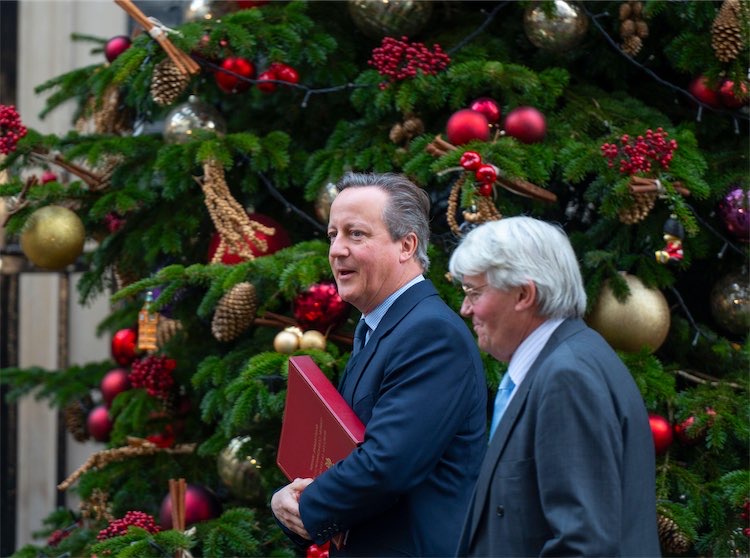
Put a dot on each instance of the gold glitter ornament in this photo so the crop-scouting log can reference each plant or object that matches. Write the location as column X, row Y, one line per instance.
column 641, row 320
column 239, row 468
column 559, row 32
column 393, row 18
column 53, row 237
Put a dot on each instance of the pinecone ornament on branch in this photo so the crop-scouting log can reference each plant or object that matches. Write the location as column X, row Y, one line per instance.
column 168, row 83
column 75, row 414
column 672, row 539
column 726, row 31
column 633, row 28
column 235, row 312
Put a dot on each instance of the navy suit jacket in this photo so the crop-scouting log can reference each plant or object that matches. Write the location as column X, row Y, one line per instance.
column 419, row 387
column 570, row 470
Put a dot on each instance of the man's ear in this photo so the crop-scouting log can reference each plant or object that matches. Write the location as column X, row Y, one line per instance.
column 526, row 296
column 408, row 247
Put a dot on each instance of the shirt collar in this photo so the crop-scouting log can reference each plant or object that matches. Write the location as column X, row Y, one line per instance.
column 373, row 318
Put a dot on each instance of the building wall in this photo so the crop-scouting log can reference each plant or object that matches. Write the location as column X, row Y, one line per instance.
column 45, row 50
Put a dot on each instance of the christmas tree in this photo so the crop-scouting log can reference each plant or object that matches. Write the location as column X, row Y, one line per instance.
column 202, row 161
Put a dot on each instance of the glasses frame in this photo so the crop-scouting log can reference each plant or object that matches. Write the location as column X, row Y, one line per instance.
column 473, row 294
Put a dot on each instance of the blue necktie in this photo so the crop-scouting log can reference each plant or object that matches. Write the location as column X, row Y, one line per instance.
column 360, row 335
column 501, row 401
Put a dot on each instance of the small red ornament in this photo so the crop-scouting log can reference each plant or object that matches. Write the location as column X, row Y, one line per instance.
column 485, row 189
column 487, row 174
column 488, row 107
column 280, row 239
column 48, row 176
column 230, row 83
column 200, row 505
column 661, row 431
column 687, row 433
column 526, row 124
column 729, row 98
column 320, row 307
column 268, row 86
column 99, row 423
column 471, row 160
column 11, row 129
column 318, row 551
column 113, row 383
column 700, row 89
column 467, row 125
column 285, row 72
column 116, row 46
column 124, row 346
column 247, row 4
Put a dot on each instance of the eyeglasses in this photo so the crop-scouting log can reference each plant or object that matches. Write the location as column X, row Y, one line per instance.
column 473, row 294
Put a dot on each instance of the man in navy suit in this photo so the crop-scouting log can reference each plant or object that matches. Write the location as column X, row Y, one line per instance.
column 417, row 384
column 569, row 470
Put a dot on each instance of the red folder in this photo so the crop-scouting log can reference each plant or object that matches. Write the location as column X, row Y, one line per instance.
column 319, row 428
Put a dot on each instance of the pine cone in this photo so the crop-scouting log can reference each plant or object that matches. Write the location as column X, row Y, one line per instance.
column 166, row 329
column 643, row 203
column 235, row 312
column 627, row 28
column 167, row 83
column 397, row 134
column 672, row 539
column 641, row 29
column 75, row 414
column 632, row 45
column 625, row 11
column 413, row 127
column 726, row 32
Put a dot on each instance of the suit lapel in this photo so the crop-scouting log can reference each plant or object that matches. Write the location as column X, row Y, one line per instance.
column 403, row 305
column 500, row 439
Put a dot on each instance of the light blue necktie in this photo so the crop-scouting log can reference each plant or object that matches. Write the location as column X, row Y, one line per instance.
column 360, row 336
column 501, row 401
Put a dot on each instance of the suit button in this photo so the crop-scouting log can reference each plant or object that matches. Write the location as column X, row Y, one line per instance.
column 500, row 511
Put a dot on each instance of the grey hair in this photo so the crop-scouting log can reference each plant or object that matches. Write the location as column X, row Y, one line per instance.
column 515, row 250
column 407, row 209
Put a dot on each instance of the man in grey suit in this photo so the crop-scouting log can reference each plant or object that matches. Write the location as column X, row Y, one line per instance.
column 569, row 470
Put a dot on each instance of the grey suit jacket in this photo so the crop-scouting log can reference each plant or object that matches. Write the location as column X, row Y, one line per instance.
column 570, row 470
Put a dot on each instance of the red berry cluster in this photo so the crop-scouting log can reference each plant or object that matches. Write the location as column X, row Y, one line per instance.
column 485, row 173
column 277, row 71
column 398, row 60
column 638, row 155
column 153, row 373
column 119, row 527
column 11, row 129
column 57, row 536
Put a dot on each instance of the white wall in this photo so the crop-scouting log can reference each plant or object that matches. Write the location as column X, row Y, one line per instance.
column 45, row 50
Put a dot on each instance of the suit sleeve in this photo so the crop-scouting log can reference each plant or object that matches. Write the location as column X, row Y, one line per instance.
column 422, row 402
column 578, row 449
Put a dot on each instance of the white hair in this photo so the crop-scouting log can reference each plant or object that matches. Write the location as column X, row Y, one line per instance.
column 515, row 250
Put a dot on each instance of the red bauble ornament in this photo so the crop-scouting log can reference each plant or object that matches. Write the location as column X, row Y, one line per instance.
column 485, row 189
column 200, row 505
column 687, row 433
column 318, row 551
column 267, row 87
column 471, row 160
column 487, row 174
column 280, row 239
column 114, row 382
column 729, row 98
column 488, row 107
column 99, row 423
column 320, row 307
column 662, row 432
column 467, row 125
column 116, row 46
column 48, row 176
column 230, row 83
column 700, row 89
column 526, row 124
column 285, row 72
column 124, row 346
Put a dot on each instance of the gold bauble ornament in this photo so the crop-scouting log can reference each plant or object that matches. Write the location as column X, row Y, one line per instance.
column 185, row 119
column 312, row 339
column 389, row 18
column 288, row 340
column 238, row 466
column 642, row 320
column 730, row 303
column 323, row 202
column 53, row 237
column 559, row 32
